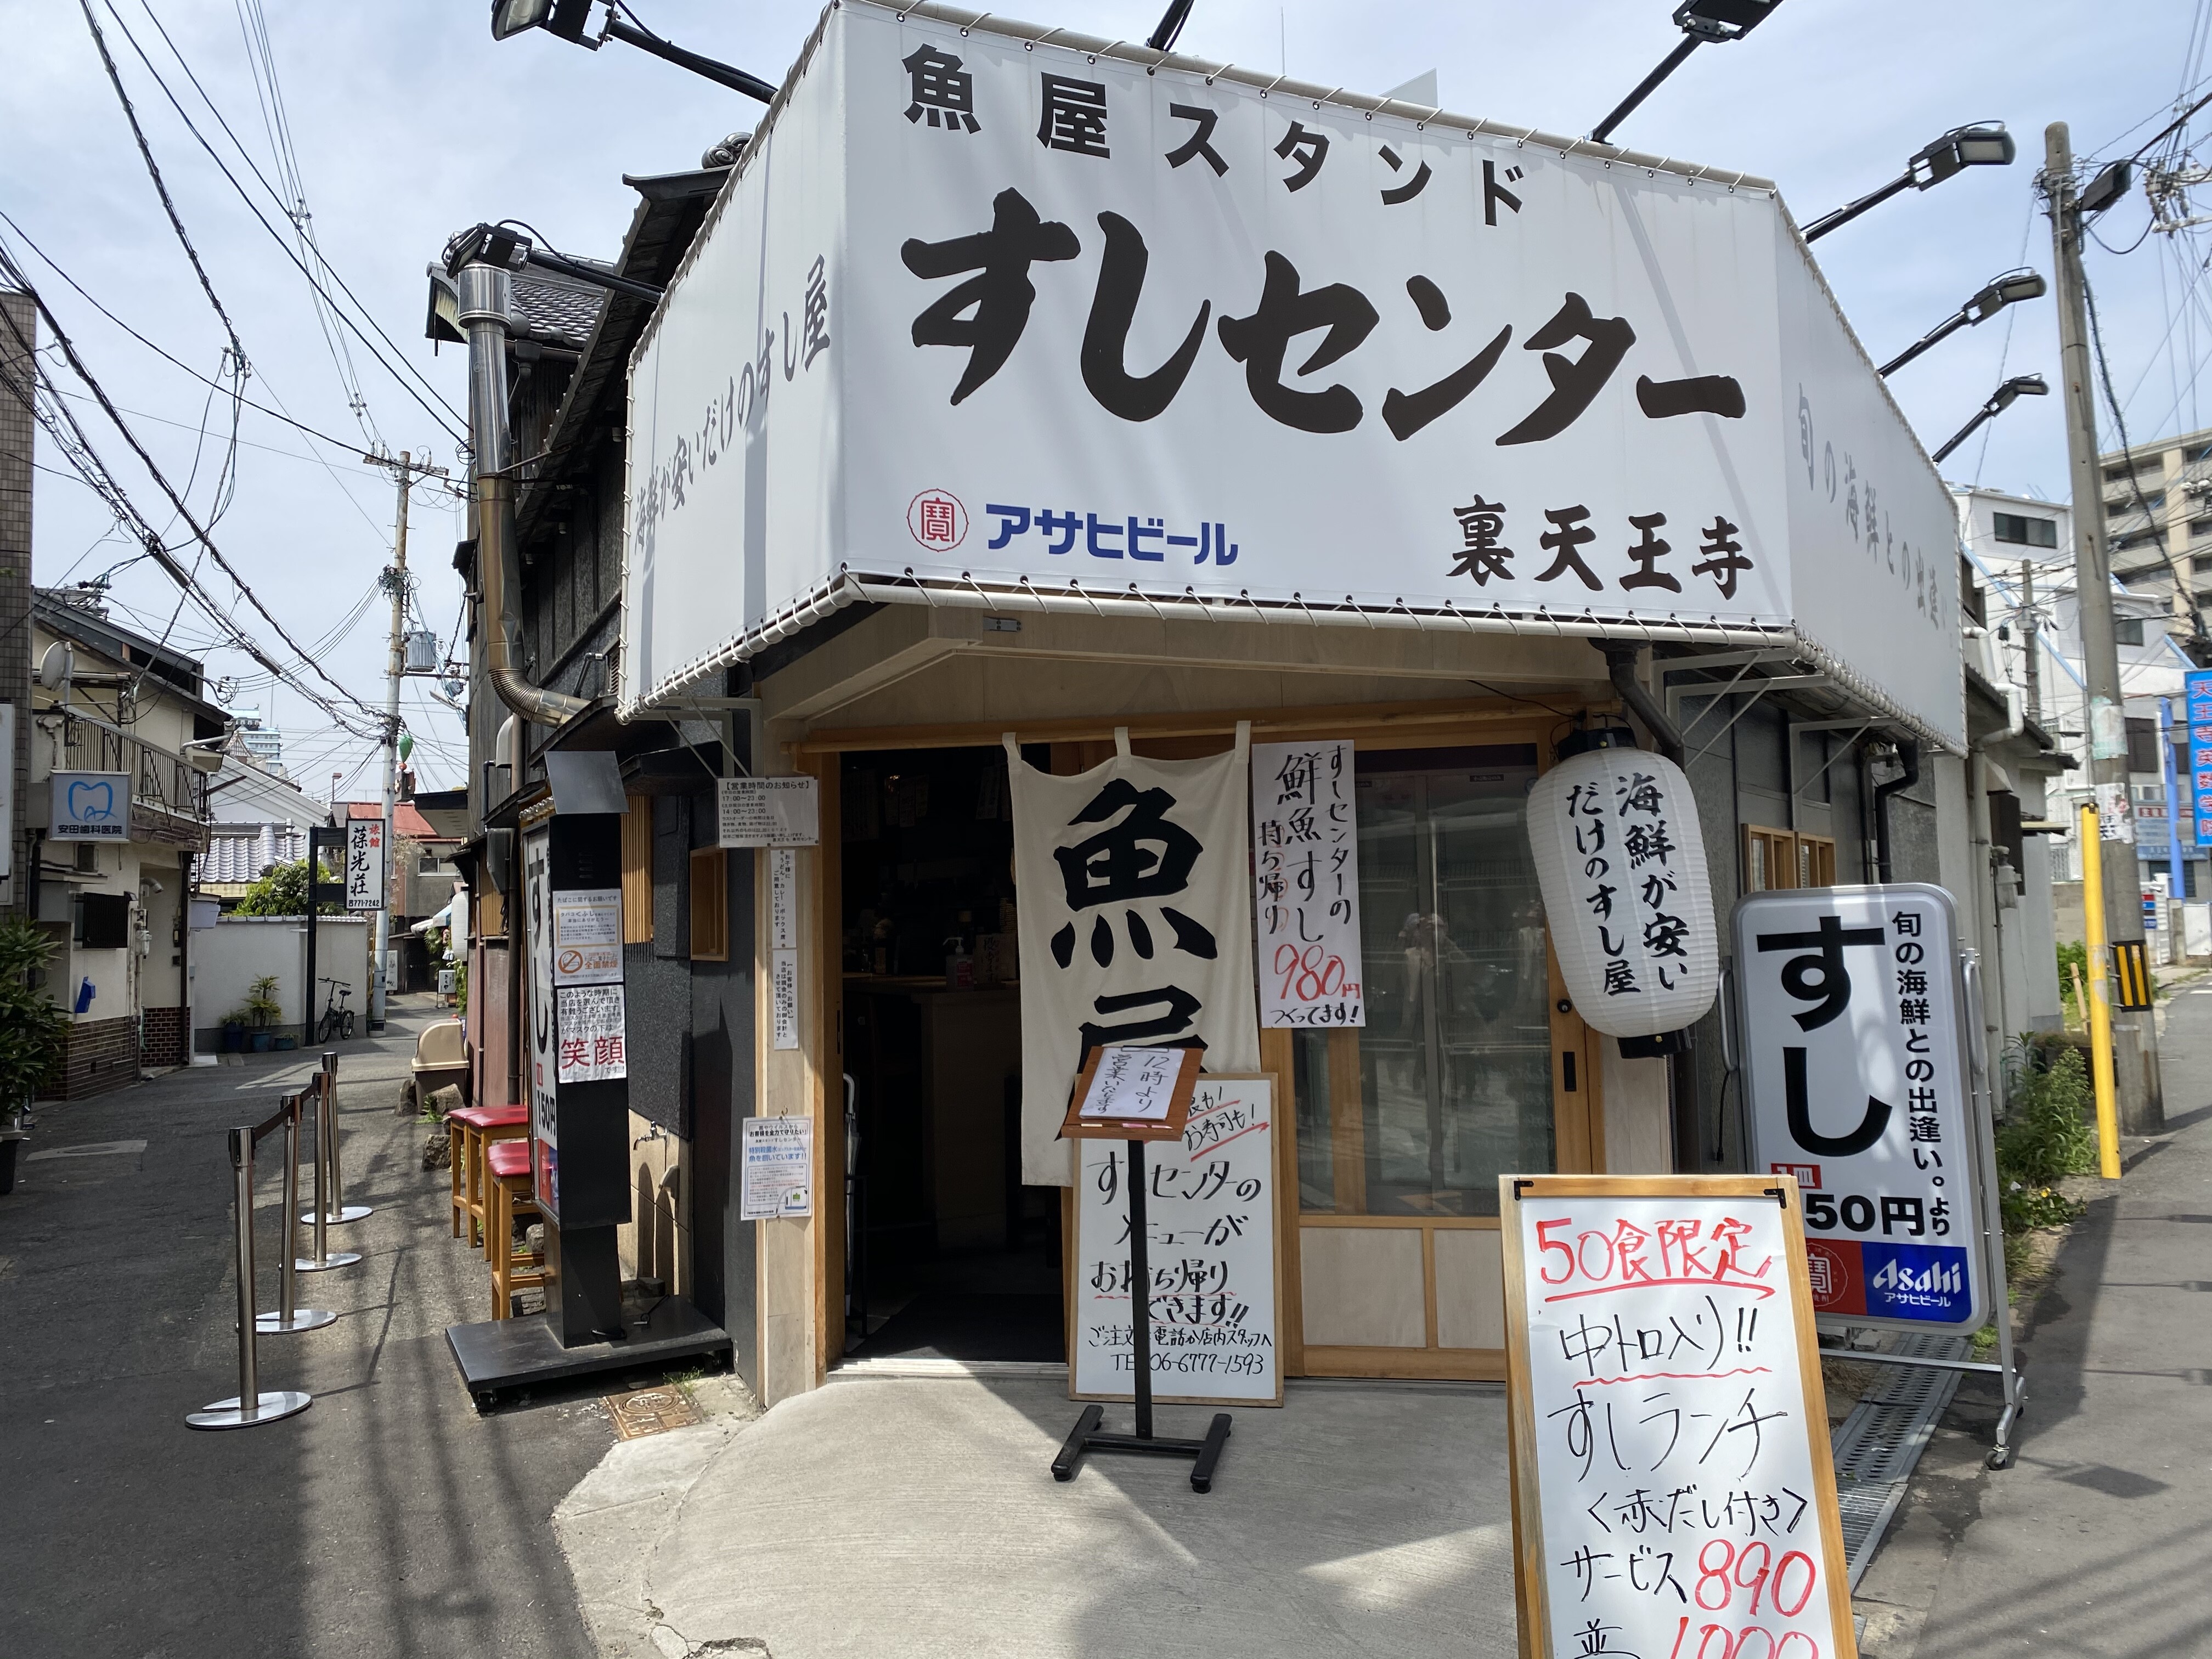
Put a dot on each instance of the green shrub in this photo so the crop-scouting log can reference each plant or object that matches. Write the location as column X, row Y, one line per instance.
column 283, row 892
column 33, row 1027
column 2046, row 1136
column 2070, row 957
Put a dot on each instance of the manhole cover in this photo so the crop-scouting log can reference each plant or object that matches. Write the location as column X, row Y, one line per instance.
column 649, row 1411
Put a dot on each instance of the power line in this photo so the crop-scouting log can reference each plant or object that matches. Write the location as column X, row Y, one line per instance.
column 48, row 259
column 396, row 366
column 121, row 503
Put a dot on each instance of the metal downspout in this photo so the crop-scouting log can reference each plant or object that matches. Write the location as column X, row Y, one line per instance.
column 1908, row 756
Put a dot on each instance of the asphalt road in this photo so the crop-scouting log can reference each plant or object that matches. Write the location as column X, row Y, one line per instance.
column 388, row 1519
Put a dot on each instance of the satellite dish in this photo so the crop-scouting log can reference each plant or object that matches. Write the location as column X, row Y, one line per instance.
column 55, row 667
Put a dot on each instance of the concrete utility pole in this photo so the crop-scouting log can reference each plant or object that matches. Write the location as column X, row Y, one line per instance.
column 395, row 582
column 2135, row 1036
column 2032, row 669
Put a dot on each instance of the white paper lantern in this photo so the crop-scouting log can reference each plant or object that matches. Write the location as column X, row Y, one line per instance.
column 1622, row 859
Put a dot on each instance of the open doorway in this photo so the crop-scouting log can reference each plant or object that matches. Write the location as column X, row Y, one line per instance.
column 948, row 1254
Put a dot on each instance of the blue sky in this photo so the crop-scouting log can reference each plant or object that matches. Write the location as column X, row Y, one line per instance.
column 409, row 122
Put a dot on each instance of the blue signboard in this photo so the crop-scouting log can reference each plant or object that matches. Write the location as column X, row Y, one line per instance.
column 2196, row 694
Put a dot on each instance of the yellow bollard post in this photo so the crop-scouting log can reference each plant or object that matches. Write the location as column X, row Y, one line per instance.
column 2100, row 996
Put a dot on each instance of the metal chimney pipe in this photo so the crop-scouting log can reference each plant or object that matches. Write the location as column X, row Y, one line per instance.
column 485, row 294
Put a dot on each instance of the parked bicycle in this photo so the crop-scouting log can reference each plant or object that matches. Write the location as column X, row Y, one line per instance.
column 337, row 1019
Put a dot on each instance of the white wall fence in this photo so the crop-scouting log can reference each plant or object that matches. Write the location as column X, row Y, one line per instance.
column 227, row 957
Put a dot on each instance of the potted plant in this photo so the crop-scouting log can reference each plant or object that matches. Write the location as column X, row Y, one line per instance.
column 33, row 1030
column 263, row 1011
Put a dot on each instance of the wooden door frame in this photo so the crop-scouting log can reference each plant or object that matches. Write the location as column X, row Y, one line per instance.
column 1457, row 723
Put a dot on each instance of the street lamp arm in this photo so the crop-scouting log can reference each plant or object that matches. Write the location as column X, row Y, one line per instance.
column 1850, row 210
column 1986, row 413
column 736, row 79
column 1602, row 133
column 1936, row 336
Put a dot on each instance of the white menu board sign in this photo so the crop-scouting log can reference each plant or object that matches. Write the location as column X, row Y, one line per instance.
column 779, row 1171
column 1672, row 1478
column 783, row 899
column 1305, row 873
column 768, row 812
column 1210, row 1242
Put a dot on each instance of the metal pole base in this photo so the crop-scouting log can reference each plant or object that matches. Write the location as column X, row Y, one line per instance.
column 338, row 1217
column 307, row 1264
column 1087, row 1436
column 268, row 1406
column 302, row 1319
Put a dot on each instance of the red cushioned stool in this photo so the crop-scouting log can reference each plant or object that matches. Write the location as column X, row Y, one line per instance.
column 508, row 1195
column 467, row 1132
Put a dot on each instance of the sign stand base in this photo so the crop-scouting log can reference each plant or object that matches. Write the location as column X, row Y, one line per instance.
column 1087, row 1436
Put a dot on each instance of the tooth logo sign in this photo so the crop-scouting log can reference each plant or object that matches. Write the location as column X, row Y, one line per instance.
column 91, row 803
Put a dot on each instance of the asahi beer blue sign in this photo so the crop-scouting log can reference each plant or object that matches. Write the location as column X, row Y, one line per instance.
column 90, row 806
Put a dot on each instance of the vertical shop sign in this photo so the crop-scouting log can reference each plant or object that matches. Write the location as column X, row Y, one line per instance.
column 2196, row 703
column 364, row 865
column 1854, row 1075
column 783, row 946
column 540, row 1015
column 1135, row 923
column 1210, row 1219
column 1672, row 1489
column 1305, row 874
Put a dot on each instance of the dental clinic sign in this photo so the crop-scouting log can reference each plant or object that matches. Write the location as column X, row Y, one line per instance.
column 90, row 806
column 1032, row 315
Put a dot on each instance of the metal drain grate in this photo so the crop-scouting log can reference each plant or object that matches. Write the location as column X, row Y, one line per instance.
column 1876, row 1447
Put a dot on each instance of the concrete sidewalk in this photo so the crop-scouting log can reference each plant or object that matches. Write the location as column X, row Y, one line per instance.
column 386, row 1521
column 918, row 1517
column 2093, row 1543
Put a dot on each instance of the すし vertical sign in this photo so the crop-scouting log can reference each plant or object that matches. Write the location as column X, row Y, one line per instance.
column 1674, row 1496
column 1855, row 1079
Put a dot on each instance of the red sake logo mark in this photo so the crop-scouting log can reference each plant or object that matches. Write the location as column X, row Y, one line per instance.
column 937, row 520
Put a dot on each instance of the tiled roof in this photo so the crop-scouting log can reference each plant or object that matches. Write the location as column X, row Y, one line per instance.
column 406, row 820
column 233, row 856
column 557, row 309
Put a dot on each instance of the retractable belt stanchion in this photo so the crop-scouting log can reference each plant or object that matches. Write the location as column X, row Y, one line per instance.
column 319, row 1218
column 1087, row 1436
column 289, row 1317
column 331, row 1207
column 250, row 1405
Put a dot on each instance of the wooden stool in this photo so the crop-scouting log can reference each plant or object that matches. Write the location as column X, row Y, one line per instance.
column 467, row 1132
column 508, row 1195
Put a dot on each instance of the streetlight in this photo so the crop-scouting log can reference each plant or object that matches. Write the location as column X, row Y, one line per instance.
column 2008, row 289
column 1985, row 144
column 2020, row 386
column 1163, row 38
column 569, row 19
column 1700, row 21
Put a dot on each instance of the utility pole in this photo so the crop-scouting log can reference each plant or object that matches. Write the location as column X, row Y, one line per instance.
column 2135, row 1037
column 2032, row 670
column 395, row 580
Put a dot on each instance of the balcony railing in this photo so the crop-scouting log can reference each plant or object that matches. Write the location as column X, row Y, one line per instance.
column 168, row 797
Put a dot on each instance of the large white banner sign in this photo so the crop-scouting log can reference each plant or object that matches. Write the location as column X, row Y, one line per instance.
column 987, row 309
column 1136, row 923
